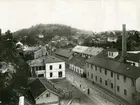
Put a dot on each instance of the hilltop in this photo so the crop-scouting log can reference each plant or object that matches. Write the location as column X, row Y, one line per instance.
column 30, row 36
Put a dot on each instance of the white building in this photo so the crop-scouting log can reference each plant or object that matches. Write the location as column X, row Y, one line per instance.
column 116, row 77
column 49, row 67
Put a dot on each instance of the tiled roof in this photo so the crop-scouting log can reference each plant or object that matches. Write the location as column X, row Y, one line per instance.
column 78, row 61
column 93, row 50
column 64, row 52
column 52, row 59
column 115, row 66
column 43, row 60
column 133, row 57
column 40, row 85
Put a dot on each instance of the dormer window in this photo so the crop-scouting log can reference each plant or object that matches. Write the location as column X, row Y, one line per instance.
column 112, row 54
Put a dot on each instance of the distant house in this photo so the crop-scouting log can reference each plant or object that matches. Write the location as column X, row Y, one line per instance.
column 41, row 36
column 112, row 39
column 121, row 79
column 19, row 44
column 44, row 92
column 49, row 67
column 77, row 64
column 41, row 52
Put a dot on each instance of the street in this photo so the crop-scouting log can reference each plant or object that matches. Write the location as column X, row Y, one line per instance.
column 95, row 93
column 72, row 93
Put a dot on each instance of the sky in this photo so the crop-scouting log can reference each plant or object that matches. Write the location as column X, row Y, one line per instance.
column 94, row 15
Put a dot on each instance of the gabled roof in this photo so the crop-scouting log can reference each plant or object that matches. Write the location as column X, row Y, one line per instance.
column 64, row 52
column 115, row 66
column 78, row 61
column 40, row 85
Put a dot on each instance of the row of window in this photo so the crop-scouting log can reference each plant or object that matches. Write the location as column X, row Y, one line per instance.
column 118, row 88
column 105, row 72
column 51, row 74
column 60, row 67
column 37, row 68
column 59, row 74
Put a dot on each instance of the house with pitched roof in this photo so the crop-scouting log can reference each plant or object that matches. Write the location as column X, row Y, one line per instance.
column 48, row 66
column 85, row 51
column 40, row 52
column 77, row 64
column 44, row 92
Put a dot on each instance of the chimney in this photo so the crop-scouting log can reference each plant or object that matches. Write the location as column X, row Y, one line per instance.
column 124, row 42
column 21, row 100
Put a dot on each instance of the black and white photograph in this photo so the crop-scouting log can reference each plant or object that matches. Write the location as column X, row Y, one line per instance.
column 69, row 52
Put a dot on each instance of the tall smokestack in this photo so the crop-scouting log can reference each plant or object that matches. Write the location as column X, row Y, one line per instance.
column 124, row 42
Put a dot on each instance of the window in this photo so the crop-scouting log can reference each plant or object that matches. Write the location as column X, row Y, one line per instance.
column 92, row 66
column 40, row 75
column 88, row 74
column 100, row 70
column 96, row 78
column 51, row 74
column 60, row 73
column 133, row 96
column 50, row 67
column 105, row 72
column 33, row 68
column 91, row 75
column 118, row 88
column 118, row 76
column 87, row 65
column 43, row 67
column 124, row 78
column 111, row 74
column 40, row 68
column 133, row 82
column 112, row 85
column 100, row 80
column 96, row 68
column 48, row 95
column 60, row 66
column 106, row 82
column 125, row 92
column 37, row 68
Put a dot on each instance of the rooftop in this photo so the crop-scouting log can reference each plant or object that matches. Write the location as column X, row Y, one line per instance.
column 115, row 66
column 133, row 57
column 39, row 85
column 64, row 52
column 43, row 60
column 87, row 50
column 78, row 61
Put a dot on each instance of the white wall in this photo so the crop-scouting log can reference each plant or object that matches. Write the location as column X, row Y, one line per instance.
column 55, row 70
column 112, row 54
column 43, row 99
